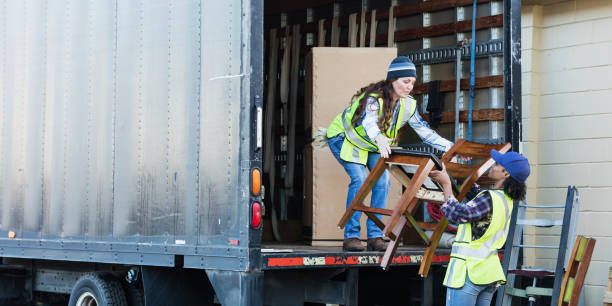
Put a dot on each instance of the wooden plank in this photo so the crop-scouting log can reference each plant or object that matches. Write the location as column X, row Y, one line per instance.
column 428, row 226
column 406, row 159
column 431, row 248
column 352, row 33
column 372, row 34
column 444, row 29
column 467, row 183
column 362, row 30
column 451, row 85
column 460, row 171
column 391, row 28
column 398, row 174
column 270, row 102
column 429, row 6
column 415, row 183
column 392, row 246
column 273, row 7
column 380, row 224
column 365, row 189
column 380, row 211
column 321, row 34
column 422, row 194
column 477, row 115
column 479, row 150
column 335, row 33
column 582, row 271
column 451, row 152
column 572, row 268
column 415, row 226
column 407, row 34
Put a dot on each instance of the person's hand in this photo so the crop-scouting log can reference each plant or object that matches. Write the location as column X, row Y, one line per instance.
column 440, row 176
column 383, row 145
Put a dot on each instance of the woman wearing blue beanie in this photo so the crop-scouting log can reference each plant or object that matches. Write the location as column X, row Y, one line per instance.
column 364, row 131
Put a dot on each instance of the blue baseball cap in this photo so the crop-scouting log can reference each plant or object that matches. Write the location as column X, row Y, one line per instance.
column 516, row 164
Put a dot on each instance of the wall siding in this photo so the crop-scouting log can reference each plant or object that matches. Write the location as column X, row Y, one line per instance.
column 567, row 117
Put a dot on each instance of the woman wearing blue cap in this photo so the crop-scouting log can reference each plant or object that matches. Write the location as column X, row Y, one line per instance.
column 364, row 132
column 474, row 270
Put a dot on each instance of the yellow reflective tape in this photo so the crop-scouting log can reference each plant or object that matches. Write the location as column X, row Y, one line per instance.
column 354, row 138
column 482, row 252
column 451, row 270
column 581, row 248
column 355, row 154
column 568, row 290
column 462, row 228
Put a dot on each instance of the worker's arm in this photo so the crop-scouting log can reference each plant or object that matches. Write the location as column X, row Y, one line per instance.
column 455, row 211
column 475, row 210
column 428, row 135
column 370, row 119
column 370, row 124
column 441, row 176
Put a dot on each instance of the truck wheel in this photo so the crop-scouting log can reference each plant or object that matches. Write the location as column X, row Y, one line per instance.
column 94, row 289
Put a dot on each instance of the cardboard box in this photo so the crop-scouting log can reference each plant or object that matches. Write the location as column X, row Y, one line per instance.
column 333, row 76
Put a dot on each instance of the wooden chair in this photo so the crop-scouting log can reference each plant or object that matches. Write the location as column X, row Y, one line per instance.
column 401, row 217
column 576, row 271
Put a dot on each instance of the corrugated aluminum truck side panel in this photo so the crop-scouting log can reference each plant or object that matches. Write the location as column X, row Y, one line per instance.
column 120, row 131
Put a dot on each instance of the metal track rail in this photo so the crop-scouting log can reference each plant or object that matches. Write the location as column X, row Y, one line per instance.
column 439, row 55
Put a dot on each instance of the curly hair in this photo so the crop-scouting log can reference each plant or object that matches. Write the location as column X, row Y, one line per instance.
column 515, row 189
column 383, row 89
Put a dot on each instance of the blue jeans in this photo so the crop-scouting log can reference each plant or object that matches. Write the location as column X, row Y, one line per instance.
column 470, row 294
column 358, row 174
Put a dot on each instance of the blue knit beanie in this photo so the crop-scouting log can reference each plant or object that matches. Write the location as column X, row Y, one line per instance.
column 401, row 67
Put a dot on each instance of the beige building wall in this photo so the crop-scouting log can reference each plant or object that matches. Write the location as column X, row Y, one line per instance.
column 567, row 122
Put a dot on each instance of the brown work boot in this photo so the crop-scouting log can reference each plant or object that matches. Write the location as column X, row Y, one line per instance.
column 377, row 244
column 352, row 245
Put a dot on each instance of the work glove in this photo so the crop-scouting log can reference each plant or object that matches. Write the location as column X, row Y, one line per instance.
column 383, row 145
column 319, row 138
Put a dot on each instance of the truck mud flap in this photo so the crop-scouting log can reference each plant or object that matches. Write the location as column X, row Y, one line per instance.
column 237, row 288
column 175, row 286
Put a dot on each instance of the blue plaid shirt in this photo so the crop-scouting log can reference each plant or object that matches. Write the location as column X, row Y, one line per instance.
column 477, row 211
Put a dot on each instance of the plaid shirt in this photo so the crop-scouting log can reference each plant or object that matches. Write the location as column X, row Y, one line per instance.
column 477, row 211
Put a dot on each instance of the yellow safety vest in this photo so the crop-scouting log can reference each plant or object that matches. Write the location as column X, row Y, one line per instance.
column 479, row 258
column 356, row 143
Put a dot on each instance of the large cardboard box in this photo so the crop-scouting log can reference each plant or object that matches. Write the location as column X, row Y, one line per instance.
column 333, row 76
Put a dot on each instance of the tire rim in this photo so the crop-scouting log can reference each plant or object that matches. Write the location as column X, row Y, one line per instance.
column 86, row 299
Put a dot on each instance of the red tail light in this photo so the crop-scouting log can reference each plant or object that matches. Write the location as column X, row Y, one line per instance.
column 255, row 214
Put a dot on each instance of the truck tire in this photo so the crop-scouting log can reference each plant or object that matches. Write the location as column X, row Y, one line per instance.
column 94, row 289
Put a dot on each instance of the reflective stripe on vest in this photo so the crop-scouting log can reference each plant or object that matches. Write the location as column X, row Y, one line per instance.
column 479, row 257
column 485, row 249
column 353, row 136
column 356, row 143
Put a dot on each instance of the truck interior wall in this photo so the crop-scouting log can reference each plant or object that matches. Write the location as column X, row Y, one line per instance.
column 422, row 28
